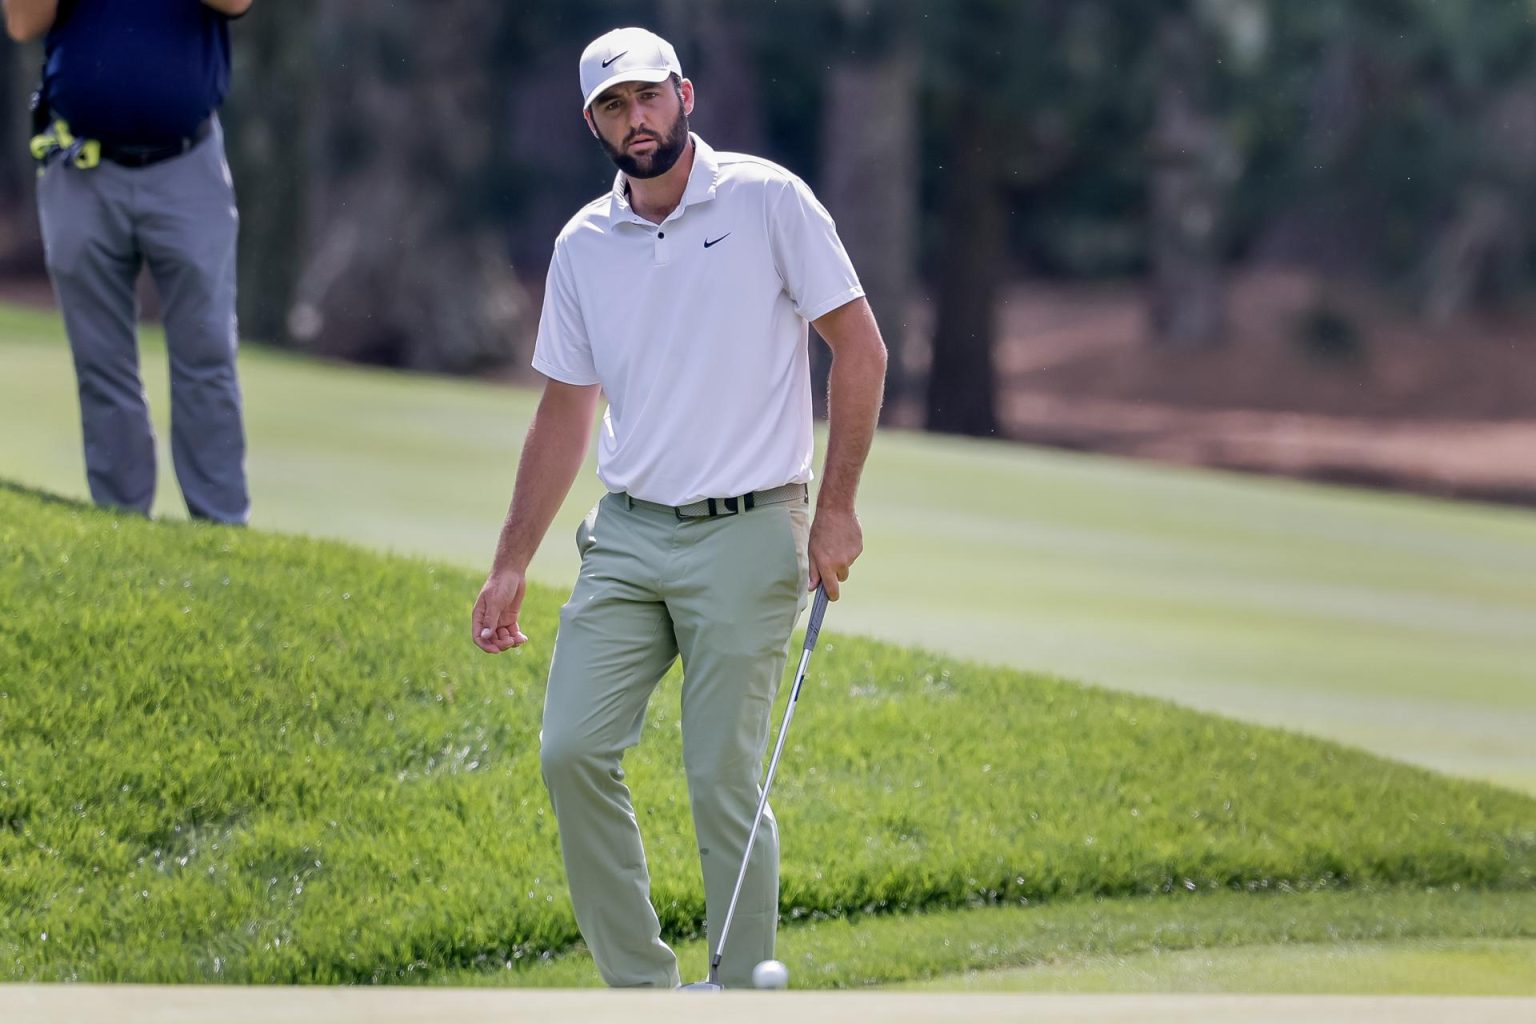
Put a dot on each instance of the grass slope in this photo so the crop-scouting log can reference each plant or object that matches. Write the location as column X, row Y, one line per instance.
column 1393, row 623
column 236, row 755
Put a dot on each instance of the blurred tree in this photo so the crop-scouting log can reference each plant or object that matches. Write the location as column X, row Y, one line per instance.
column 1397, row 137
column 1192, row 167
column 1481, row 254
column 21, row 249
column 270, row 129
column 962, row 378
column 393, row 160
column 869, row 167
column 1478, row 72
column 1316, row 94
column 406, row 268
column 551, row 165
column 1003, row 121
column 975, row 45
column 713, row 39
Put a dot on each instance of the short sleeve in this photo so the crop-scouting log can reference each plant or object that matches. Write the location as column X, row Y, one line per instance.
column 817, row 273
column 563, row 351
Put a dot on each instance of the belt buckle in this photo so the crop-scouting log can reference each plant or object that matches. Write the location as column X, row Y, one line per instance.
column 714, row 508
column 729, row 506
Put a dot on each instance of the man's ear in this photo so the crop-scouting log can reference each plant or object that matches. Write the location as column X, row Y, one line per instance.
column 586, row 115
column 687, row 87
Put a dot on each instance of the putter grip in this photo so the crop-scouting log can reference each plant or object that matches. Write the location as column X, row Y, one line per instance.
column 813, row 626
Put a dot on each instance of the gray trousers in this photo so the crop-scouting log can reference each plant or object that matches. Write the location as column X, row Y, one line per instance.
column 723, row 594
column 100, row 226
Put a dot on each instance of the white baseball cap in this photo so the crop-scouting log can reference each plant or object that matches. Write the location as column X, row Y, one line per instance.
column 626, row 55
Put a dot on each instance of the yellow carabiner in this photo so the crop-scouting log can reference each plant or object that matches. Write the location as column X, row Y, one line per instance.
column 82, row 153
column 89, row 154
column 44, row 144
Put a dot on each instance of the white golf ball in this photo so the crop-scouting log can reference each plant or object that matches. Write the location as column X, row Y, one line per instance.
column 770, row 974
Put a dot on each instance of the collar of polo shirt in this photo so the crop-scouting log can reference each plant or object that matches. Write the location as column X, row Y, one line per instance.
column 703, row 179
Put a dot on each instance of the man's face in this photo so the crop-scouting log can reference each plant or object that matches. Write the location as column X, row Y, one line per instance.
column 643, row 127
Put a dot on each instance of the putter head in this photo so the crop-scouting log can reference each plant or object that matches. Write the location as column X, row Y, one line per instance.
column 704, row 986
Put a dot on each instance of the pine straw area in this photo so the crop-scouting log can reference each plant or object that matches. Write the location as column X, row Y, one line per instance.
column 1444, row 409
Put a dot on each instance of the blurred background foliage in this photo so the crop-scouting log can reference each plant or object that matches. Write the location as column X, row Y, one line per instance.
column 404, row 166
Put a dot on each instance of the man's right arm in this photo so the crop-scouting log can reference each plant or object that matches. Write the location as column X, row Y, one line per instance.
column 26, row 20
column 552, row 455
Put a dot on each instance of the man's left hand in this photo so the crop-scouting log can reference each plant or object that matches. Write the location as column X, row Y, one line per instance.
column 836, row 540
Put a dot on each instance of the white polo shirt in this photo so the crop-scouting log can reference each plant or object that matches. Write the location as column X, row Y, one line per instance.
column 696, row 328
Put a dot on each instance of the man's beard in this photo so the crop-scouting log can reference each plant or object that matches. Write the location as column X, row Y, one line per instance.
column 657, row 162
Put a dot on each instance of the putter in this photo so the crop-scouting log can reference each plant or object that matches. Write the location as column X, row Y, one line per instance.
column 812, row 629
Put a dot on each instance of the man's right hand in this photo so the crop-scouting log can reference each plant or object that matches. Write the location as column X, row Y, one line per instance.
column 552, row 455
column 494, row 626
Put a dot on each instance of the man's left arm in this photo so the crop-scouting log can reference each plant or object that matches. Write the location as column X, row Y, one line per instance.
column 854, row 393
column 231, row 8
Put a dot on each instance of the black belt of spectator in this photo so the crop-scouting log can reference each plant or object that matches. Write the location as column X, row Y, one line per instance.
column 143, row 156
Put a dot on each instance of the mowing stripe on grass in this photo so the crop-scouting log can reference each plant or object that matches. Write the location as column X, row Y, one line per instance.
column 1394, row 623
column 1504, row 967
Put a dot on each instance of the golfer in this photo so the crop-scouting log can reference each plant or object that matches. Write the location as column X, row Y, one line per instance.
column 683, row 296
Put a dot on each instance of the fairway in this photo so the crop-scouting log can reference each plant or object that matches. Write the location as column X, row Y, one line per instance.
column 1399, row 624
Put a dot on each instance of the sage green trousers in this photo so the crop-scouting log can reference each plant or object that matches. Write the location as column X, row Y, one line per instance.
column 724, row 594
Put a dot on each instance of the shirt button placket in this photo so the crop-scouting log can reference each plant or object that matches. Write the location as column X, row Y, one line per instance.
column 663, row 248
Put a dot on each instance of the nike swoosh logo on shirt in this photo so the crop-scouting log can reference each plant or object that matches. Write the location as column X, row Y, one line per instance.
column 722, row 238
column 615, row 57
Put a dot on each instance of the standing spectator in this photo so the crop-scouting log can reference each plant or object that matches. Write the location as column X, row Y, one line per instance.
column 132, row 171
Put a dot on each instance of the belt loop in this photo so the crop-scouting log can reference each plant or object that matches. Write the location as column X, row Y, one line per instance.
column 629, row 500
column 749, row 501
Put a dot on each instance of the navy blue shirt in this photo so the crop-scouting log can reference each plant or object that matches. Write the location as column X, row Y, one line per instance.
column 136, row 71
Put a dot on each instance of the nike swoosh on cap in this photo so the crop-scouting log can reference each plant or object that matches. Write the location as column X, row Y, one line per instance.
column 610, row 60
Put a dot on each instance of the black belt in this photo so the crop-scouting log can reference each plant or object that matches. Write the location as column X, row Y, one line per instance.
column 709, row 508
column 143, row 156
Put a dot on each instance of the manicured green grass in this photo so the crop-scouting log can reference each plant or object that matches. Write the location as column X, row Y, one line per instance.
column 1457, row 943
column 1435, row 967
column 1394, row 623
column 237, row 755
